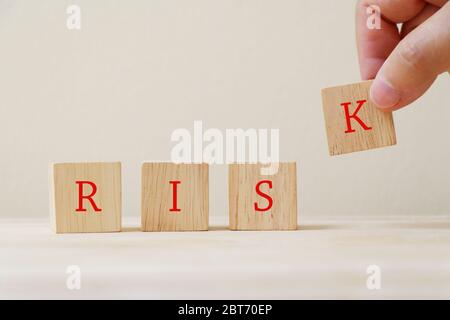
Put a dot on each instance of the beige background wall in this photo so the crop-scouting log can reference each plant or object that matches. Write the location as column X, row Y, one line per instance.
column 137, row 70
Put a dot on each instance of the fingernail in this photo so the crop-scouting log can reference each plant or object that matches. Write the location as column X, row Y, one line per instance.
column 383, row 95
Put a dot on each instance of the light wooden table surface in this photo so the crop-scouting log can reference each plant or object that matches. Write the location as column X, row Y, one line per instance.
column 323, row 259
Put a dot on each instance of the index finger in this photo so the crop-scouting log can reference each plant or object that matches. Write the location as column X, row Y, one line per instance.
column 375, row 45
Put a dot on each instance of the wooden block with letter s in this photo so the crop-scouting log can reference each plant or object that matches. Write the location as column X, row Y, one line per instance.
column 175, row 197
column 262, row 202
column 86, row 197
column 353, row 122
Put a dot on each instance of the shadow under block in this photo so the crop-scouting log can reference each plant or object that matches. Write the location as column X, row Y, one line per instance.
column 175, row 197
column 86, row 197
column 249, row 193
column 353, row 122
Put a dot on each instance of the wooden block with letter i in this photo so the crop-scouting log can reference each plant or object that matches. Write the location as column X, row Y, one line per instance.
column 353, row 122
column 175, row 197
column 262, row 202
column 86, row 197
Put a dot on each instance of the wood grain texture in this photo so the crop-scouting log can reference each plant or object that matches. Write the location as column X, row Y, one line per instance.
column 242, row 181
column 64, row 197
column 382, row 133
column 192, row 197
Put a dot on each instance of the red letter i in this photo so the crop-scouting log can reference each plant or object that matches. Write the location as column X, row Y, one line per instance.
column 174, row 196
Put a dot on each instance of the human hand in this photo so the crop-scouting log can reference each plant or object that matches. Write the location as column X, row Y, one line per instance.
column 404, row 63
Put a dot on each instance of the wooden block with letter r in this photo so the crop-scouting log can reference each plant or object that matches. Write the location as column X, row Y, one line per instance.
column 353, row 122
column 175, row 197
column 86, row 197
column 262, row 202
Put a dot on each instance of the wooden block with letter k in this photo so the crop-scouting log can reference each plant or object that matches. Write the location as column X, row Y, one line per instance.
column 262, row 202
column 175, row 197
column 353, row 122
column 86, row 197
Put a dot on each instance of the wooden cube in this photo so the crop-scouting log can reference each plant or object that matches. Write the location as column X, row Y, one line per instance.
column 175, row 197
column 353, row 122
column 262, row 202
column 86, row 197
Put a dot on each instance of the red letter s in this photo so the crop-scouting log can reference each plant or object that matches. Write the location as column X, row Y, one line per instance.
column 264, row 195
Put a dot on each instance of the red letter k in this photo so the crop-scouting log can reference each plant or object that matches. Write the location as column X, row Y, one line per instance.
column 348, row 117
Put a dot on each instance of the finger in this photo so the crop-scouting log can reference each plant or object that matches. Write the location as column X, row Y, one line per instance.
column 374, row 45
column 398, row 11
column 415, row 63
column 410, row 25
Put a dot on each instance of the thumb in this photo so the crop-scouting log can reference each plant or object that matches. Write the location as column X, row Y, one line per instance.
column 415, row 63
